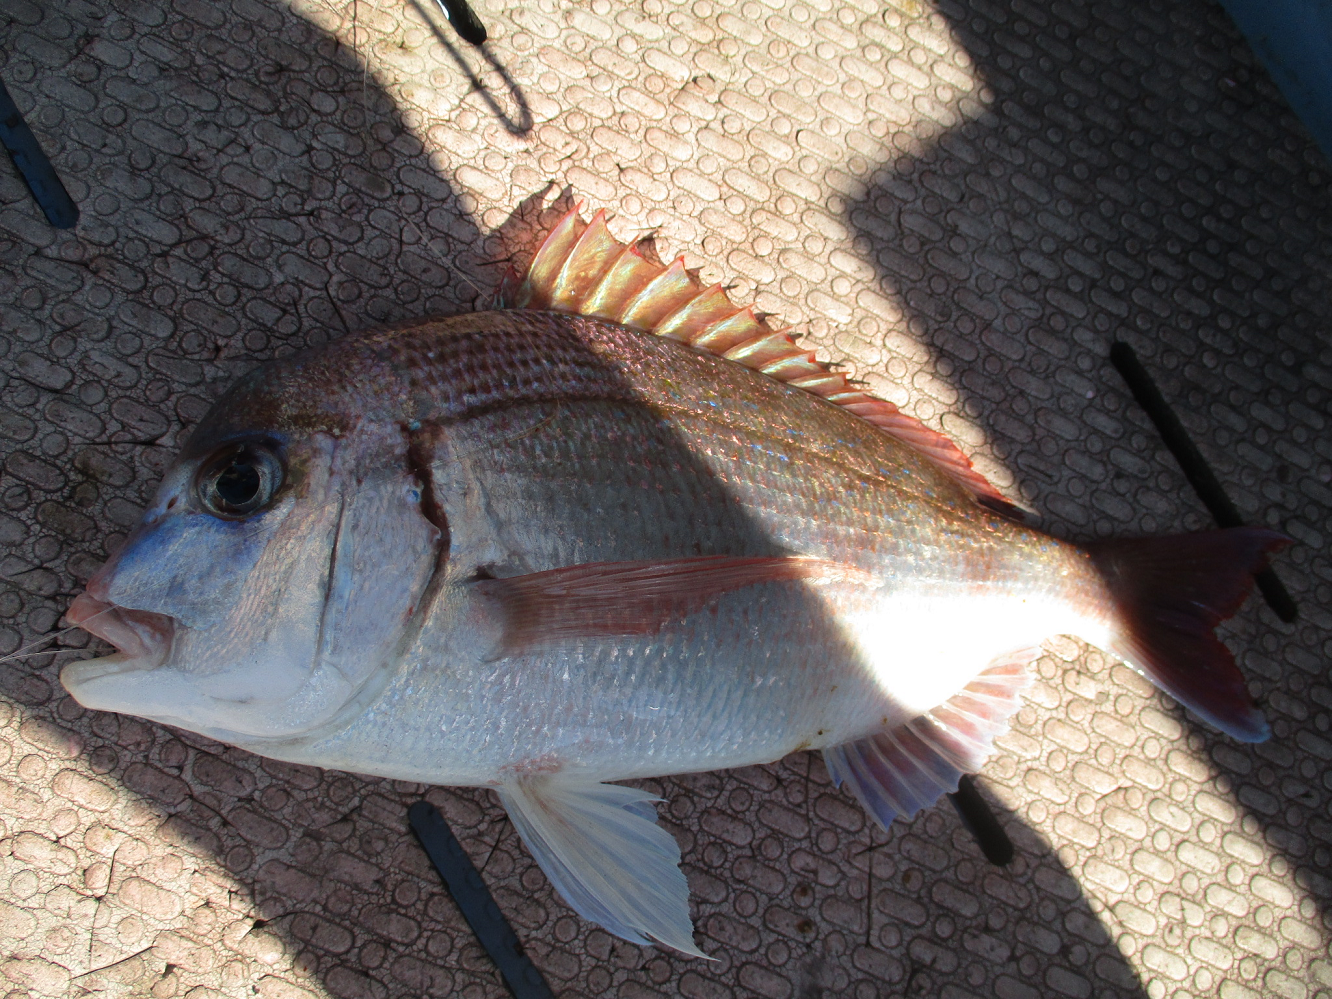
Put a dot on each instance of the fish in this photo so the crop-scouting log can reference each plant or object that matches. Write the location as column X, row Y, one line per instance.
column 618, row 528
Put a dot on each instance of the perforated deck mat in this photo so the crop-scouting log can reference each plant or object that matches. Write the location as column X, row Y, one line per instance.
column 967, row 202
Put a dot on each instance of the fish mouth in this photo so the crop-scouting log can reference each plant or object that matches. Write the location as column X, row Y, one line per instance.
column 142, row 639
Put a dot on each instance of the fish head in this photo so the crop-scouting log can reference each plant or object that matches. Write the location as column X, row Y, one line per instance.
column 273, row 576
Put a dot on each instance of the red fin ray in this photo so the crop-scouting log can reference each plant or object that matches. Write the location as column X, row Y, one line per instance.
column 590, row 258
column 763, row 350
column 696, row 315
column 1171, row 593
column 539, row 284
column 623, row 280
column 664, row 294
column 581, row 268
column 792, row 365
column 631, row 598
column 900, row 771
column 737, row 328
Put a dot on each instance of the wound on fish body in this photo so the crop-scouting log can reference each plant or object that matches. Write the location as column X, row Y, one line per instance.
column 622, row 529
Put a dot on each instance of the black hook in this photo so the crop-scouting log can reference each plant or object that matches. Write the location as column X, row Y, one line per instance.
column 981, row 822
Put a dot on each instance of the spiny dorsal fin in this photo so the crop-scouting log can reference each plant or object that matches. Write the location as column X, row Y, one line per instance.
column 582, row 269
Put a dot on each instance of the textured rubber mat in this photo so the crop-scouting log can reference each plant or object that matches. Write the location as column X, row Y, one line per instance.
column 967, row 202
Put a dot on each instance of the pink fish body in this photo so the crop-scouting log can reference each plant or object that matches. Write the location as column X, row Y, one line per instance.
column 626, row 530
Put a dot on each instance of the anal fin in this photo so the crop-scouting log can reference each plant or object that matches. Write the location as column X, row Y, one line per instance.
column 908, row 768
column 601, row 847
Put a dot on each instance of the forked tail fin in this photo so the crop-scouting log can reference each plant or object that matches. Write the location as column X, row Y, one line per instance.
column 1171, row 592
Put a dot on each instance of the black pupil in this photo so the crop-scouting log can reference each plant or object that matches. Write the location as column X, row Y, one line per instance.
column 239, row 483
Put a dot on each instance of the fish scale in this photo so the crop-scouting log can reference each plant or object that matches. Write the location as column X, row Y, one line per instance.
column 539, row 551
column 780, row 485
column 728, row 480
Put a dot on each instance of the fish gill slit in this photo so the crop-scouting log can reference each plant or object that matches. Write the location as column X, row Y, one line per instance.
column 418, row 466
column 331, row 586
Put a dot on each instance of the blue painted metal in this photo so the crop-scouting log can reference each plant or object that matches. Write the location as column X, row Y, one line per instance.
column 1293, row 38
column 33, row 166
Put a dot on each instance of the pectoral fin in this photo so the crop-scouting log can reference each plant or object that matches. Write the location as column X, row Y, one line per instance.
column 900, row 771
column 630, row 598
column 602, row 849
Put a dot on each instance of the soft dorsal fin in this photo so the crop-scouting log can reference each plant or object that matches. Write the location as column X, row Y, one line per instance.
column 581, row 269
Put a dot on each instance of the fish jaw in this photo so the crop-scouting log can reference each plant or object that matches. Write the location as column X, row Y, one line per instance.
column 143, row 677
column 142, row 640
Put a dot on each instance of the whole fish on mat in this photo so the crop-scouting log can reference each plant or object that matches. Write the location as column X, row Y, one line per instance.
column 621, row 530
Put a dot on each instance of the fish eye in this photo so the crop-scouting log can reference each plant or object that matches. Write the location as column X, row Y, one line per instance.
column 238, row 480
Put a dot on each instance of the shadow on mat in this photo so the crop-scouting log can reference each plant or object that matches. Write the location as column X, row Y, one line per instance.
column 298, row 218
column 1126, row 179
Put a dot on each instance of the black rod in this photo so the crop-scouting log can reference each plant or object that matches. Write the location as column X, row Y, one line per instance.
column 1194, row 466
column 477, row 904
column 33, row 165
column 464, row 21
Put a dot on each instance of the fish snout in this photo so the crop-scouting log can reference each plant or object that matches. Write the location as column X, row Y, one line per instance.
column 86, row 605
column 98, row 586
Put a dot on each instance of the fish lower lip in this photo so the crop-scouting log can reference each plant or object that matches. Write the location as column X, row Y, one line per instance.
column 92, row 669
column 142, row 638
